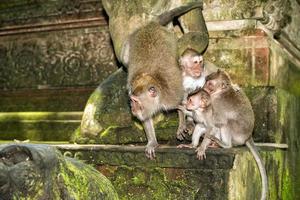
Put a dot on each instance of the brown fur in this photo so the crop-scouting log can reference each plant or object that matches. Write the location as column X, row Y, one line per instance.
column 233, row 114
column 231, row 106
column 156, row 65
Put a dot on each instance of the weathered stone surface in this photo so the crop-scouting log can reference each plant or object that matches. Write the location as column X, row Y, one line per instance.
column 177, row 174
column 20, row 12
column 45, row 100
column 40, row 172
column 38, row 130
column 292, row 30
column 285, row 73
column 132, row 155
column 230, row 10
column 66, row 58
column 244, row 179
column 245, row 58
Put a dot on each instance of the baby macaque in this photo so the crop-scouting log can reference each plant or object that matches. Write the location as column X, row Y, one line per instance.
column 199, row 104
column 233, row 115
column 194, row 71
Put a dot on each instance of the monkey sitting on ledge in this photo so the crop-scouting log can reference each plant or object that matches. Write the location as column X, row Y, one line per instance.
column 194, row 71
column 232, row 113
column 199, row 108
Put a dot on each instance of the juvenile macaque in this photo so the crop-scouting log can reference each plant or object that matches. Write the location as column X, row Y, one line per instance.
column 233, row 115
column 154, row 78
column 199, row 104
column 194, row 71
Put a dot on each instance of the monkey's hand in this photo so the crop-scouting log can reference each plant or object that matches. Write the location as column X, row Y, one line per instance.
column 180, row 135
column 201, row 153
column 181, row 107
column 150, row 150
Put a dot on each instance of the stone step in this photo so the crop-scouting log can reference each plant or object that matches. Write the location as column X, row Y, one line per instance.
column 42, row 126
column 177, row 174
column 62, row 117
column 45, row 100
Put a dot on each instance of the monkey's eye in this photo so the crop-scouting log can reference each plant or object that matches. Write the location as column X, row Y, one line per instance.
column 152, row 91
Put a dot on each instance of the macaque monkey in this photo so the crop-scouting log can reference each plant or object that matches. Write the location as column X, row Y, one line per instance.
column 154, row 77
column 194, row 71
column 199, row 104
column 233, row 115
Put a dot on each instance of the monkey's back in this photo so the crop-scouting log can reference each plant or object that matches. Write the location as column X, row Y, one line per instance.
column 153, row 50
column 235, row 107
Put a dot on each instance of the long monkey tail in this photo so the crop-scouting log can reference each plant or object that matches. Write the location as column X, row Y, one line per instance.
column 264, row 180
column 168, row 16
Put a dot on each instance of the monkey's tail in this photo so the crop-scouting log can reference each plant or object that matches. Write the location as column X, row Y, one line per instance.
column 264, row 180
column 168, row 16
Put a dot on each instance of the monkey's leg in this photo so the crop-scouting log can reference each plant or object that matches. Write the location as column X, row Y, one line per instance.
column 201, row 150
column 189, row 125
column 181, row 126
column 152, row 142
column 225, row 140
column 198, row 132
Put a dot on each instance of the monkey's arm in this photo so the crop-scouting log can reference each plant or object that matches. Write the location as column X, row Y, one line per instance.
column 152, row 142
column 181, row 127
column 198, row 132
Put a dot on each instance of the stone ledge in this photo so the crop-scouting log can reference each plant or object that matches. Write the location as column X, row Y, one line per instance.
column 166, row 156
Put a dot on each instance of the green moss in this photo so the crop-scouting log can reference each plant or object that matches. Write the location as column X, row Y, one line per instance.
column 38, row 116
column 77, row 180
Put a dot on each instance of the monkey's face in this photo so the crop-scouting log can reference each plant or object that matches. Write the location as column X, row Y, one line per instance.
column 211, row 86
column 217, row 82
column 198, row 100
column 192, row 66
column 144, row 105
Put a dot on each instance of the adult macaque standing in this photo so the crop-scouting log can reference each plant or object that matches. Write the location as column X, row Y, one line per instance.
column 233, row 114
column 154, row 77
column 150, row 52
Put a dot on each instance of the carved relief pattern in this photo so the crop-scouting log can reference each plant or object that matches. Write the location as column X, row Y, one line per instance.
column 58, row 59
column 38, row 11
column 229, row 10
column 276, row 14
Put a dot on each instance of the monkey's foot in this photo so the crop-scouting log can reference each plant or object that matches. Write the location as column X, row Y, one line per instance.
column 201, row 153
column 213, row 145
column 185, row 146
column 150, row 150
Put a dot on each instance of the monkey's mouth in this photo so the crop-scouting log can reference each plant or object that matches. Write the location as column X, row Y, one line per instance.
column 197, row 72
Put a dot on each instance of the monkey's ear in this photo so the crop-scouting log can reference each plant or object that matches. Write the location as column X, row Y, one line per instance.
column 152, row 91
column 224, row 84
